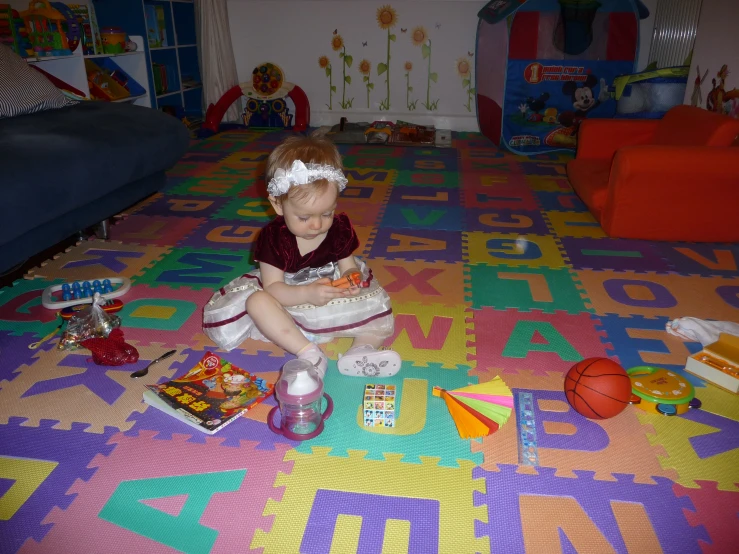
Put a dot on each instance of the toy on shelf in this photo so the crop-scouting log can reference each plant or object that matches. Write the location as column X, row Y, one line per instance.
column 478, row 410
column 102, row 84
column 114, row 40
column 13, row 31
column 266, row 105
column 57, row 297
column 659, row 391
column 91, row 42
column 71, row 26
column 45, row 29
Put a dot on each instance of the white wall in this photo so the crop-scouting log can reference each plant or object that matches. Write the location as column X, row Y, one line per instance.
column 305, row 31
column 716, row 44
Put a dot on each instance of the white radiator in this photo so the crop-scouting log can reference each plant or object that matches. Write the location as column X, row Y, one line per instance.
column 675, row 25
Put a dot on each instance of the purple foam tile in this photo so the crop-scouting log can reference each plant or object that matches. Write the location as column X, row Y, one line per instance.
column 725, row 439
column 417, row 244
column 96, row 381
column 431, row 196
column 615, row 254
column 184, row 206
column 375, row 510
column 595, row 499
column 14, row 353
column 221, row 234
column 5, row 485
column 557, row 201
column 71, row 450
column 701, row 259
column 505, row 221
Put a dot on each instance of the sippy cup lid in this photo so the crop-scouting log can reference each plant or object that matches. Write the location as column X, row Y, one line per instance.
column 300, row 381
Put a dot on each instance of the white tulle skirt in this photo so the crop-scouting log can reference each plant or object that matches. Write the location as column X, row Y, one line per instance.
column 227, row 323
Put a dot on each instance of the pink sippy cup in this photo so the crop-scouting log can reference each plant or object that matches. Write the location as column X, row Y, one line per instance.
column 299, row 393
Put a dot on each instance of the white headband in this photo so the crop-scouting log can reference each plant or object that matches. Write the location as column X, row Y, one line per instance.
column 302, row 174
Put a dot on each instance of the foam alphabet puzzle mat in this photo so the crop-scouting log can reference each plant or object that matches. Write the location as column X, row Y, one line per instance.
column 87, row 466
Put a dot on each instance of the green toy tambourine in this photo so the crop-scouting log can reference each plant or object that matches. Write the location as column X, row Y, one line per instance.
column 659, row 391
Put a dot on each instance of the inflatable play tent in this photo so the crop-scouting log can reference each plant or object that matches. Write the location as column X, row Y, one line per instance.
column 543, row 66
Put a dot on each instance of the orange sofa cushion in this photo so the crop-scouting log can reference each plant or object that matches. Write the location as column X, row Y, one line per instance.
column 690, row 126
column 589, row 178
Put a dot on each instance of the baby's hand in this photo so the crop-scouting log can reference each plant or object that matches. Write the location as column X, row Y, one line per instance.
column 321, row 292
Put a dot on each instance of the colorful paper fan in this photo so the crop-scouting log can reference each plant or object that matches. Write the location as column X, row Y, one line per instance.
column 478, row 410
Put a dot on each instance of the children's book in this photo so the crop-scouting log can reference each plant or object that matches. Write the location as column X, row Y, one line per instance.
column 211, row 395
column 152, row 26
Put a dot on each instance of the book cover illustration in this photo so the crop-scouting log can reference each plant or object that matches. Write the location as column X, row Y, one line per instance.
column 214, row 392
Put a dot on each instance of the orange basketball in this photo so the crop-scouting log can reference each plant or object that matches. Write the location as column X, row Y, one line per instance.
column 597, row 388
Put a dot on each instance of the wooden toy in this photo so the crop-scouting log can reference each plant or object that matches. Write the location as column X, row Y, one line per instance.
column 659, row 391
column 58, row 297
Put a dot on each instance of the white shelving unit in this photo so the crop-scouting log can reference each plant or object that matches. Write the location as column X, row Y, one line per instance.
column 71, row 69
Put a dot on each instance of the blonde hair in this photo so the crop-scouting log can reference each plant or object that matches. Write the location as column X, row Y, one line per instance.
column 317, row 150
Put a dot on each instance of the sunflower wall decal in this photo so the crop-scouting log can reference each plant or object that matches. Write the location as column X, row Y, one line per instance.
column 387, row 18
column 410, row 104
column 464, row 70
column 420, row 37
column 325, row 64
column 337, row 43
column 365, row 68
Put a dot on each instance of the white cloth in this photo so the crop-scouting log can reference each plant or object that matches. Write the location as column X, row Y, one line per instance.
column 215, row 53
column 226, row 322
column 701, row 330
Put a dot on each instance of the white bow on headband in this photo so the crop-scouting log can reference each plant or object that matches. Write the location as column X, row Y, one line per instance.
column 302, row 174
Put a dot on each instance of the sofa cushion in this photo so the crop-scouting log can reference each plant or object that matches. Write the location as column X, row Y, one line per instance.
column 589, row 178
column 24, row 90
column 58, row 160
column 691, row 126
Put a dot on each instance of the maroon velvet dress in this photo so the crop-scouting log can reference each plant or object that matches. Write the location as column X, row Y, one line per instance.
column 227, row 323
column 278, row 247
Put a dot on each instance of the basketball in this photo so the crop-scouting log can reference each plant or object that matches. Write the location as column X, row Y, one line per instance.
column 597, row 388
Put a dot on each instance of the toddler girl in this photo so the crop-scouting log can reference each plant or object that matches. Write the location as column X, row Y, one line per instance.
column 289, row 300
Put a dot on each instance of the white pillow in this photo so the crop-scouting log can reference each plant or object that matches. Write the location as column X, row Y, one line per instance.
column 24, row 90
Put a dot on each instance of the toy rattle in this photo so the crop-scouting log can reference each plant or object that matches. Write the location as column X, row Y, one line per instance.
column 353, row 279
column 659, row 391
column 81, row 293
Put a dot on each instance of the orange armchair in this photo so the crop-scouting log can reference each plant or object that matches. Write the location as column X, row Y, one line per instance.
column 674, row 179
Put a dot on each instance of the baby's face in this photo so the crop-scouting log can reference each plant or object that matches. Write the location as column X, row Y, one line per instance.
column 310, row 217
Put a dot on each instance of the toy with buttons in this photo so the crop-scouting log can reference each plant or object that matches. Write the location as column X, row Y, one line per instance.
column 57, row 297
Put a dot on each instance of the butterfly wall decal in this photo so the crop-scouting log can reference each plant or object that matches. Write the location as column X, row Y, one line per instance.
column 364, row 43
column 438, row 25
column 336, row 31
column 470, row 54
column 403, row 30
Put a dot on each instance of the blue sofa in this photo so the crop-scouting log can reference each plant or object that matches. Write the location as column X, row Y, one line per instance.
column 65, row 170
